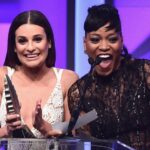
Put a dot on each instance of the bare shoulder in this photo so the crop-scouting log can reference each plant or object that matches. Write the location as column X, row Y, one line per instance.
column 70, row 74
column 69, row 77
column 3, row 71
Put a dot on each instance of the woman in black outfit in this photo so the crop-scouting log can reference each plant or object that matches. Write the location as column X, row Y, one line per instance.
column 118, row 86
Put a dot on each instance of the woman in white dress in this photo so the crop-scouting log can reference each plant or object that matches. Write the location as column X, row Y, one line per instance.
column 41, row 88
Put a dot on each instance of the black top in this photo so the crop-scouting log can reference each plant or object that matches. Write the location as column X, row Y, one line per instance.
column 122, row 101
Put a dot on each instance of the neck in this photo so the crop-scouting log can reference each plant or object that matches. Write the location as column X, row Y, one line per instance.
column 33, row 74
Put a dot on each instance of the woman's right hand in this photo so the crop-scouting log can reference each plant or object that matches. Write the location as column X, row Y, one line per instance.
column 13, row 122
column 40, row 124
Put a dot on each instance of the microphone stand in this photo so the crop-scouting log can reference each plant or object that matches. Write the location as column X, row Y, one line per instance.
column 76, row 112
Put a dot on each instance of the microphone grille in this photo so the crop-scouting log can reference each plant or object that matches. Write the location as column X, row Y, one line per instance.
column 91, row 61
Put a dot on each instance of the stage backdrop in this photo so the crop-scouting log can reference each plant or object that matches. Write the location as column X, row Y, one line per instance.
column 135, row 26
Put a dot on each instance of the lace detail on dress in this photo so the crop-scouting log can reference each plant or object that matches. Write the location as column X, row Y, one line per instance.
column 53, row 110
column 122, row 101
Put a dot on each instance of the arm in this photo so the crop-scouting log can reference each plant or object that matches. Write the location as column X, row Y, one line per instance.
column 2, row 74
column 68, row 79
column 12, row 120
column 147, row 73
column 74, row 96
column 3, row 130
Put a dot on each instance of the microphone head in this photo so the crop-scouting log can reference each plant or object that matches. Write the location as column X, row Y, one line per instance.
column 93, row 62
column 90, row 60
column 97, row 60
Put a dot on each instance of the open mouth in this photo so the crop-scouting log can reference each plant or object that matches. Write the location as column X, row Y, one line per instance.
column 106, row 61
column 105, row 57
column 32, row 56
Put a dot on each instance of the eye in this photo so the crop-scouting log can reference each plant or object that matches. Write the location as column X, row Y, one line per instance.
column 94, row 39
column 37, row 39
column 113, row 39
column 22, row 41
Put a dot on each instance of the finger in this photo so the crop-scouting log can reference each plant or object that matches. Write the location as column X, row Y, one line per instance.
column 14, row 124
column 38, row 102
column 38, row 109
column 19, row 127
column 10, row 129
column 38, row 106
column 12, row 118
column 55, row 132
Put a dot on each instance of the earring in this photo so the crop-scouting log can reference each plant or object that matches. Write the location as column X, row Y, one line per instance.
column 49, row 46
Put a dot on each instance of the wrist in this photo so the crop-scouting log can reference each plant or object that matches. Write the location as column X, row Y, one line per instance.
column 45, row 128
column 5, row 131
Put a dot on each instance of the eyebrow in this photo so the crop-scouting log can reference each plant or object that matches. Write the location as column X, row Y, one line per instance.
column 21, row 36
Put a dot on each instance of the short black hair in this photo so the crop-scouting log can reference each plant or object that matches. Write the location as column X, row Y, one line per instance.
column 100, row 15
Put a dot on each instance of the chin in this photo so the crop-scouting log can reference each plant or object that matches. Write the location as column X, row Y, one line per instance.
column 103, row 72
column 33, row 66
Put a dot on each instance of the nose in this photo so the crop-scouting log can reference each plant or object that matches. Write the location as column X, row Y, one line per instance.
column 103, row 46
column 30, row 46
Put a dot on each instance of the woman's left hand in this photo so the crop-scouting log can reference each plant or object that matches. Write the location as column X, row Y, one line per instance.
column 37, row 116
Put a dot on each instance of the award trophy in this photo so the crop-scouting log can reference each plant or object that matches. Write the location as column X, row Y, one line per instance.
column 12, row 106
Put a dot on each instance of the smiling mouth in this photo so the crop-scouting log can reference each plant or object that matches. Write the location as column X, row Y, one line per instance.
column 32, row 56
column 105, row 57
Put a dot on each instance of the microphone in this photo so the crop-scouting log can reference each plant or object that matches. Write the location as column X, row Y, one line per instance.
column 95, row 62
column 76, row 112
column 73, row 121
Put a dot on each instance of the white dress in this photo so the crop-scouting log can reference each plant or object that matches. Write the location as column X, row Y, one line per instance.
column 53, row 110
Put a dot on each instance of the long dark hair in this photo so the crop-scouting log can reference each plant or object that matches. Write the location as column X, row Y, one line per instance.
column 32, row 17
